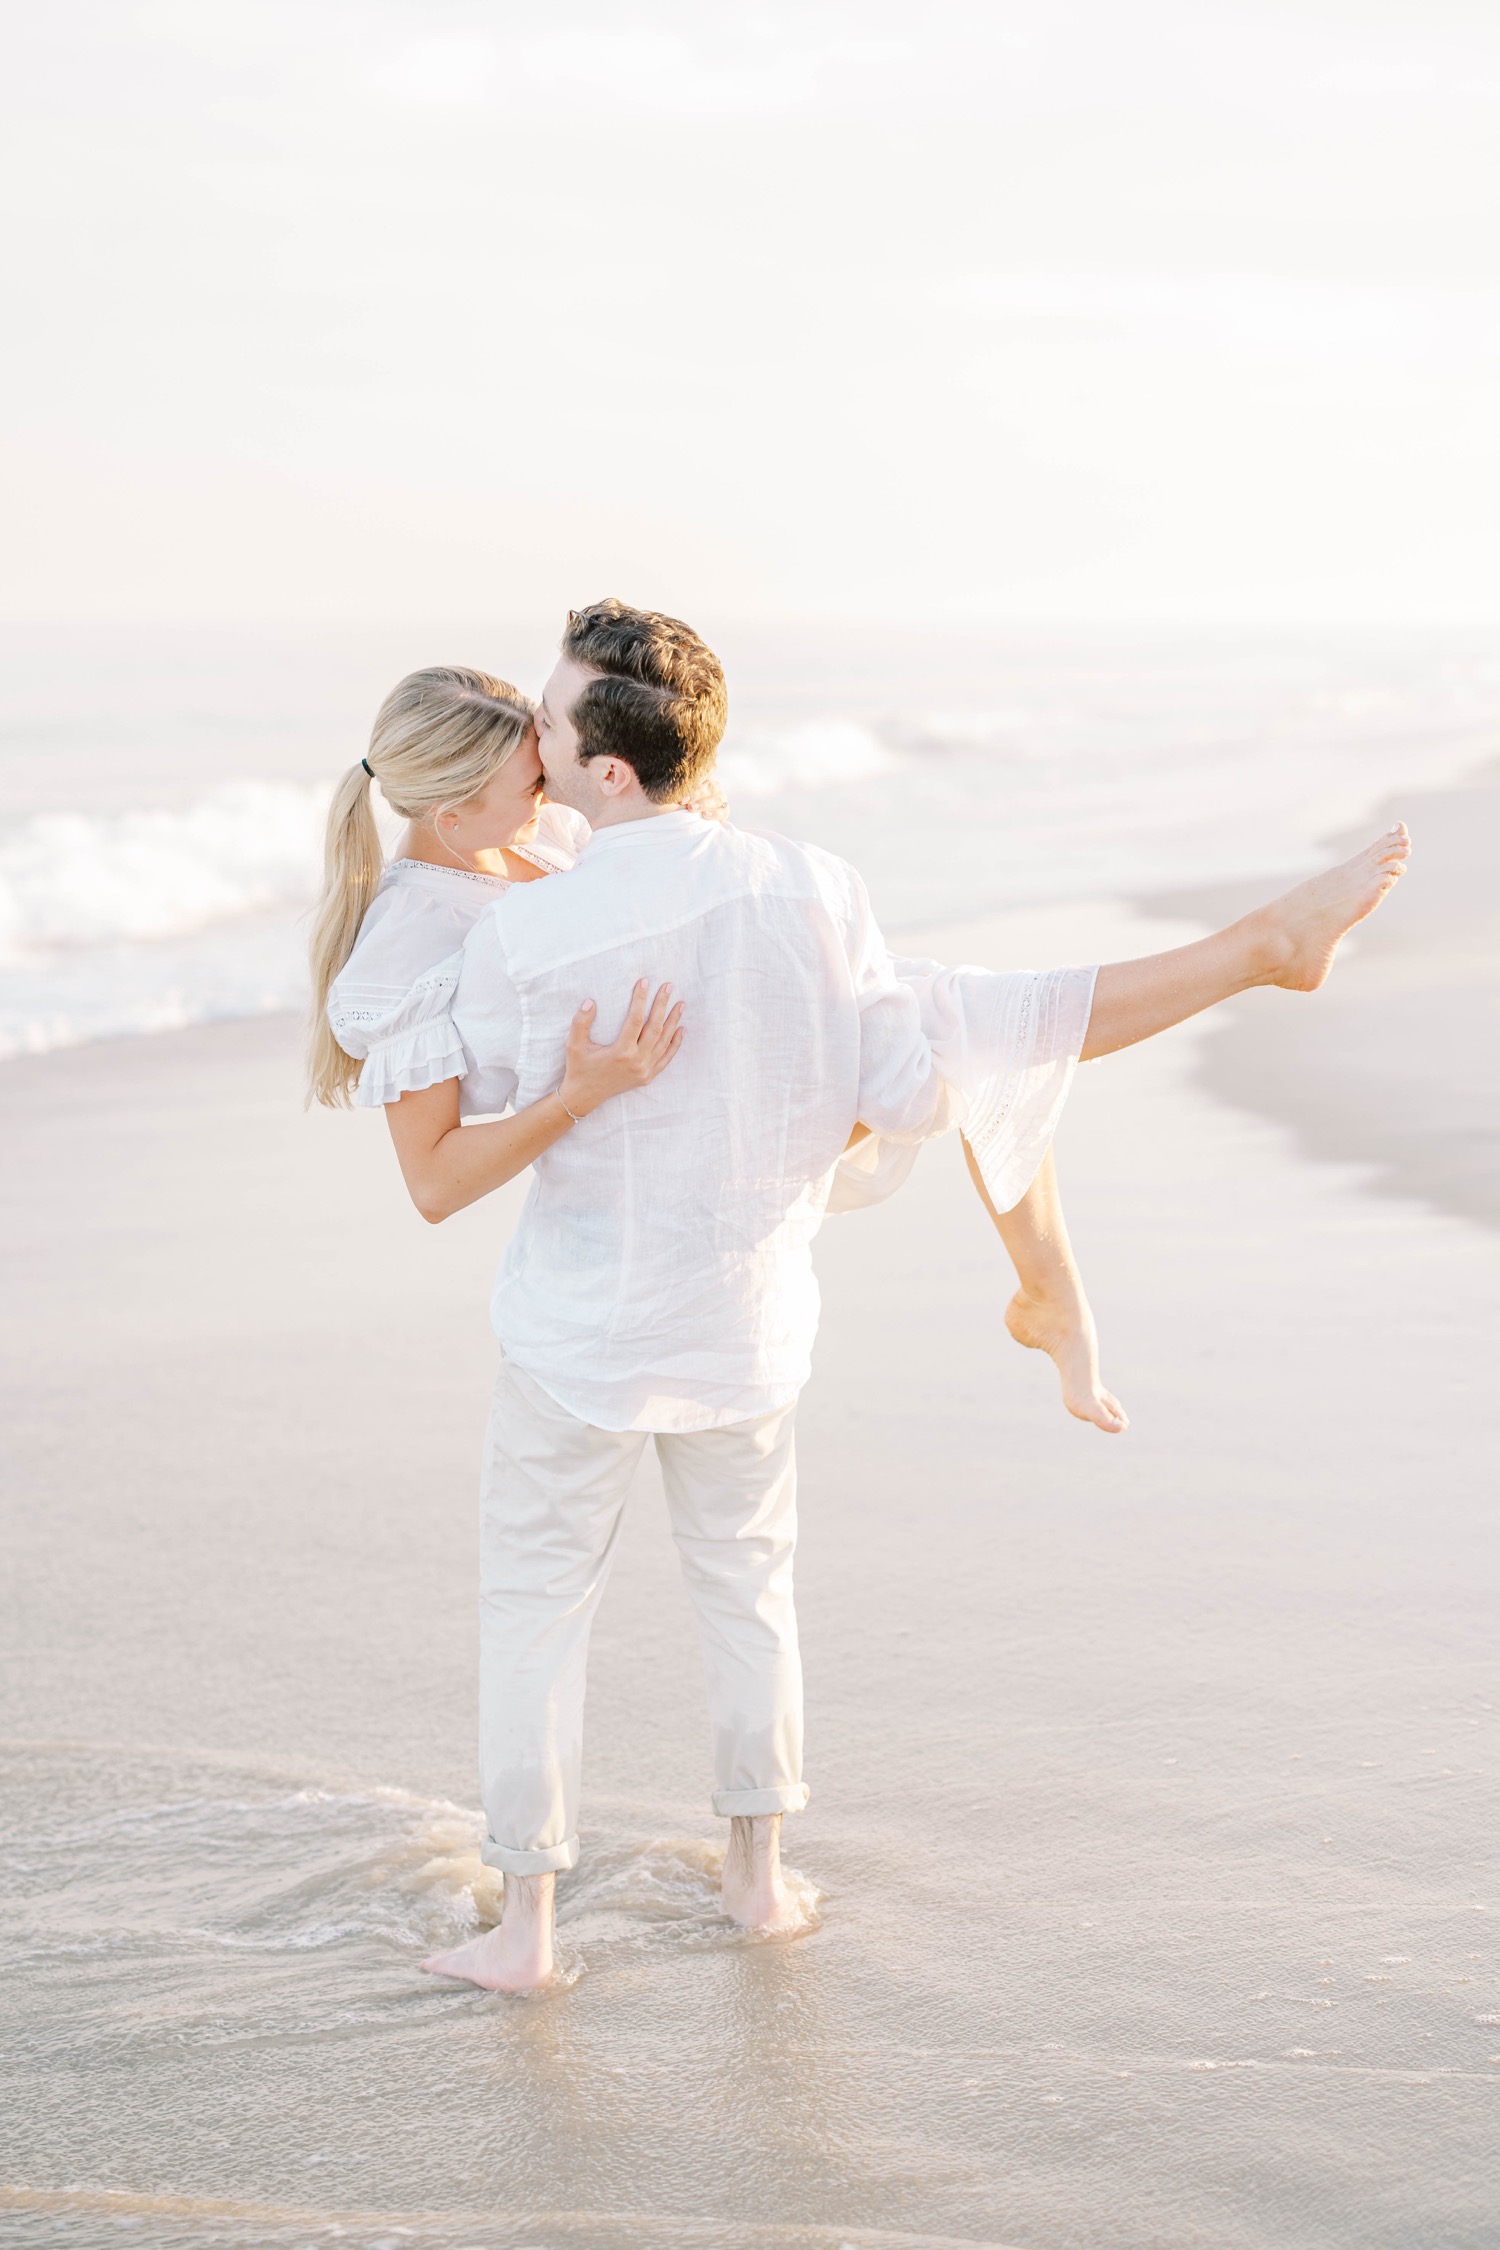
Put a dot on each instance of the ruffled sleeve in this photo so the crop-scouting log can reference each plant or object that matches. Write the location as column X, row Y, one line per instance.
column 1007, row 1044
column 404, row 1038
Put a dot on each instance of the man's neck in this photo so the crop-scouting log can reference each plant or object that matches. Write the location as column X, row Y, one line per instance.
column 614, row 813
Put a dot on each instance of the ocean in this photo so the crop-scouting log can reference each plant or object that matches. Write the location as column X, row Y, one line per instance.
column 164, row 794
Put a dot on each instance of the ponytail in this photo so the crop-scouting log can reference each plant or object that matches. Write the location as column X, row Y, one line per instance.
column 438, row 737
column 352, row 866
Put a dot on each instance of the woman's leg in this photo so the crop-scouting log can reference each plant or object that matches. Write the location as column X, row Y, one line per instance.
column 1050, row 1311
column 1290, row 943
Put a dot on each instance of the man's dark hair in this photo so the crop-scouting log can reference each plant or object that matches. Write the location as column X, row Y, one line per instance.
column 661, row 704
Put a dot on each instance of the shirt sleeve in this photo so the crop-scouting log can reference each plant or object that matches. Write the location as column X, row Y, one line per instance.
column 901, row 1094
column 487, row 1021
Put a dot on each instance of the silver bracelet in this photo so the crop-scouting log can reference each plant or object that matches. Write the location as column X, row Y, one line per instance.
column 577, row 1120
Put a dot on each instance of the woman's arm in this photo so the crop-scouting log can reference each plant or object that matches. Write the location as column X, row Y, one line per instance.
column 447, row 1166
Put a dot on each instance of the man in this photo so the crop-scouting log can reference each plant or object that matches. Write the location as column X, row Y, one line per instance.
column 660, row 1280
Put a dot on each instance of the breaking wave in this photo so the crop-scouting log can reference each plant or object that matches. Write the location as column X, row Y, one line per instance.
column 71, row 880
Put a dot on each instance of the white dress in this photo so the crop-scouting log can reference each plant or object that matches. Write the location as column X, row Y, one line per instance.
column 1005, row 1041
column 389, row 1005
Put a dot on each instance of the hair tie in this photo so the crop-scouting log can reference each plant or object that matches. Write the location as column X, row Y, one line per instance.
column 369, row 769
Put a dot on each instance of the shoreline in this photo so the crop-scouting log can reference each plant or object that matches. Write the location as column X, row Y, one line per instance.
column 1393, row 1066
column 1395, row 1063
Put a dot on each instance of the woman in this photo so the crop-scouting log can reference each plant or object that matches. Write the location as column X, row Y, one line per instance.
column 454, row 752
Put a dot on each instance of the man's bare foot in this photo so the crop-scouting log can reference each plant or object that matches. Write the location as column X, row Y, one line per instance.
column 752, row 1889
column 1065, row 1331
column 516, row 1955
column 1300, row 932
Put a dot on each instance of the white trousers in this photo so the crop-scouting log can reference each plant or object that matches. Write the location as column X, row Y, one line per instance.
column 552, row 1497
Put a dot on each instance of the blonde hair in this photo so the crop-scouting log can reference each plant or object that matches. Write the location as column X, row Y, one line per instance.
column 437, row 739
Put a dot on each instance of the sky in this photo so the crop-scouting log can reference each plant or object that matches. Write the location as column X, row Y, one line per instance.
column 1180, row 312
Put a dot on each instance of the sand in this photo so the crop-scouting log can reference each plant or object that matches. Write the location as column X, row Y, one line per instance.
column 1184, row 1744
column 1398, row 1064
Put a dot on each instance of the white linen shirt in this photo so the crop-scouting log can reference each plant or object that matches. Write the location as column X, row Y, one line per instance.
column 389, row 1005
column 660, row 1277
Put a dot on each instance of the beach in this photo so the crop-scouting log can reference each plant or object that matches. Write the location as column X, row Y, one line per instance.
column 1055, row 454
column 1153, row 1780
column 1399, row 1065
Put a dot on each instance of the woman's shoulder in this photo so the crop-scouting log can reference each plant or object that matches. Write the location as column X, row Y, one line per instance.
column 415, row 895
column 413, row 922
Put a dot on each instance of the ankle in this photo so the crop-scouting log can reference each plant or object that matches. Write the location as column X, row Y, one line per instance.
column 528, row 1898
column 1058, row 1293
column 754, row 1846
column 1265, row 945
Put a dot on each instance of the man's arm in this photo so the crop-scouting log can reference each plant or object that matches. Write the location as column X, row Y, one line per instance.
column 901, row 1095
column 486, row 1014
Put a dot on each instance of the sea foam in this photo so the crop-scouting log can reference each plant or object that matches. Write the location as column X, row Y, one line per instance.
column 77, row 879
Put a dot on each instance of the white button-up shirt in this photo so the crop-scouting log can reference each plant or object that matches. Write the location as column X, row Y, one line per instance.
column 661, row 1276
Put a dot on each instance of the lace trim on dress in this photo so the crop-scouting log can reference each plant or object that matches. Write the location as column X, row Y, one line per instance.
column 465, row 874
column 535, row 859
column 364, row 1015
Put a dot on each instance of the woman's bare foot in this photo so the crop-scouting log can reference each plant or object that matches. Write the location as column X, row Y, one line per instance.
column 1300, row 932
column 516, row 1955
column 1064, row 1329
column 751, row 1887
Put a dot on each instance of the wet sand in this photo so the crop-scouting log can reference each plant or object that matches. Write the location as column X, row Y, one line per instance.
column 1154, row 1780
column 1398, row 1064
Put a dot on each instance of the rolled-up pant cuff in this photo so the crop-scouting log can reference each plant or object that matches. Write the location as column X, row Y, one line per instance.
column 747, row 1804
column 552, row 1859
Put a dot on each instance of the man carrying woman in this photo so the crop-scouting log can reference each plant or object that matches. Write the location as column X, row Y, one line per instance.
column 761, row 1053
